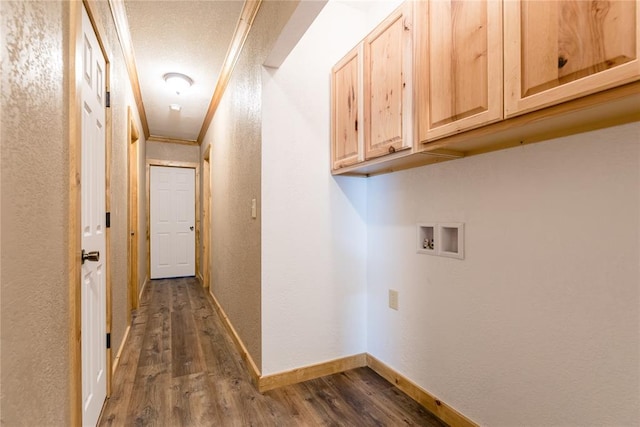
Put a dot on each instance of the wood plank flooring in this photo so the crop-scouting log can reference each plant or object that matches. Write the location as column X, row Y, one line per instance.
column 180, row 368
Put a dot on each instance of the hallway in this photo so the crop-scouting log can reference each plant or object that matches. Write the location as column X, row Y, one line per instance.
column 180, row 368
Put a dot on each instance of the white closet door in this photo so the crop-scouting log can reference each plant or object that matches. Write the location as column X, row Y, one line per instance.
column 172, row 218
column 93, row 286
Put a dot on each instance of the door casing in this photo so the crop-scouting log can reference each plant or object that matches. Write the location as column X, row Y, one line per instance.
column 74, row 72
column 170, row 163
column 206, row 218
column 133, row 136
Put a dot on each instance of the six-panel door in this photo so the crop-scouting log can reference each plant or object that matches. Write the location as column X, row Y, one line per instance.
column 93, row 289
column 459, row 65
column 172, row 221
column 561, row 50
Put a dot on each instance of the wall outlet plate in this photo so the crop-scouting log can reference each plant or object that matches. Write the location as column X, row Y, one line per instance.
column 393, row 299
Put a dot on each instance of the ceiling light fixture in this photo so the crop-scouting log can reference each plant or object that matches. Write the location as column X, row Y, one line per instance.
column 175, row 107
column 178, row 81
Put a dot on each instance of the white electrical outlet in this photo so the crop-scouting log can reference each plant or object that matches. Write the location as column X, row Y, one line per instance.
column 393, row 299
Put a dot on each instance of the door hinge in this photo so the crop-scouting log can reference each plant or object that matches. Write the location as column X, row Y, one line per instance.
column 109, row 340
column 108, row 220
column 108, row 99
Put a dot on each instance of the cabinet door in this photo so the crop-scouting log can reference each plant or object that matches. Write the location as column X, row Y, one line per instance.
column 387, row 85
column 459, row 65
column 346, row 116
column 560, row 50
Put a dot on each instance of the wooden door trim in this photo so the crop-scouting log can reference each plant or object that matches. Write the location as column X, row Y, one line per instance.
column 133, row 136
column 173, row 164
column 167, row 140
column 206, row 218
column 75, row 213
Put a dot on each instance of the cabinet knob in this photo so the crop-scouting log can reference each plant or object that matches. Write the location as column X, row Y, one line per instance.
column 562, row 62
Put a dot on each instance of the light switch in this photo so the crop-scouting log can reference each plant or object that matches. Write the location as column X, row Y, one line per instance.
column 254, row 209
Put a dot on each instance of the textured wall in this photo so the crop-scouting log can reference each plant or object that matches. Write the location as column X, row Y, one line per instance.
column 34, row 157
column 314, row 235
column 175, row 152
column 235, row 136
column 35, row 318
column 539, row 324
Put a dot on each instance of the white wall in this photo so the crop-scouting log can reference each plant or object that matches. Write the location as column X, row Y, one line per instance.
column 540, row 323
column 313, row 225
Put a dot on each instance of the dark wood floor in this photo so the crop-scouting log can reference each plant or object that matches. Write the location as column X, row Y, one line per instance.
column 180, row 368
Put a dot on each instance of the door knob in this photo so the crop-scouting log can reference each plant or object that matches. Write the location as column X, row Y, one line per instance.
column 191, row 228
column 90, row 256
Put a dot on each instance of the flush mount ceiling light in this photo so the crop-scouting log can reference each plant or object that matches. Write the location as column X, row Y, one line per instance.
column 175, row 107
column 178, row 81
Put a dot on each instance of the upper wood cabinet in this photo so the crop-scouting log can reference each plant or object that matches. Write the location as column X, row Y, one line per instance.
column 387, row 84
column 458, row 66
column 346, row 113
column 442, row 79
column 556, row 51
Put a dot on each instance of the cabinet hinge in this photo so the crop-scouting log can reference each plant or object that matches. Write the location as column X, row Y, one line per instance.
column 108, row 220
column 108, row 99
column 109, row 340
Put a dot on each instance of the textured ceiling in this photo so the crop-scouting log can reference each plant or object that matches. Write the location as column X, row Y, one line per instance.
column 189, row 37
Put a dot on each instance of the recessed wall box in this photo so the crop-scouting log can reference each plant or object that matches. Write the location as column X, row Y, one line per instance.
column 450, row 238
column 426, row 238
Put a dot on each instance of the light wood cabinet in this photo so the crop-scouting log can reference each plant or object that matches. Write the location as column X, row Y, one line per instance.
column 387, row 85
column 488, row 75
column 556, row 51
column 458, row 66
column 346, row 114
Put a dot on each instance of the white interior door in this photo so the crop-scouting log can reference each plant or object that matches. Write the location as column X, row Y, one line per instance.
column 172, row 218
column 93, row 285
